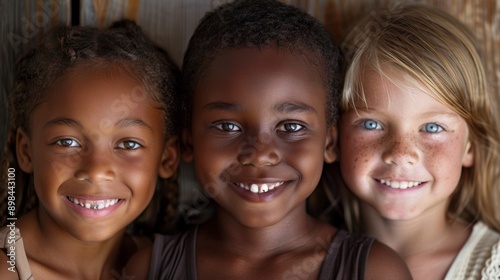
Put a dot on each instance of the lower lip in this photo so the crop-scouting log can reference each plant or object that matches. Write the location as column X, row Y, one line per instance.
column 259, row 197
column 92, row 213
column 391, row 189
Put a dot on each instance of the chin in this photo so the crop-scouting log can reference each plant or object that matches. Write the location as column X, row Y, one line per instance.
column 398, row 215
column 257, row 222
column 93, row 235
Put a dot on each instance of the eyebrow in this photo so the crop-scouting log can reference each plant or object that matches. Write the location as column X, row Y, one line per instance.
column 224, row 106
column 132, row 122
column 426, row 115
column 64, row 121
column 76, row 124
column 442, row 114
column 287, row 107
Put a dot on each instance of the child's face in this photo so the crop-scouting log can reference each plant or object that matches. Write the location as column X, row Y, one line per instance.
column 403, row 156
column 259, row 134
column 97, row 141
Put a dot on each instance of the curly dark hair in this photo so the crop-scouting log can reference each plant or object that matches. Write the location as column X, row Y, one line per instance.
column 257, row 24
column 68, row 47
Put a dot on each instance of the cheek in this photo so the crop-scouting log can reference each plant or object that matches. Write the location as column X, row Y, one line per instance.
column 306, row 157
column 50, row 169
column 213, row 160
column 356, row 152
column 444, row 159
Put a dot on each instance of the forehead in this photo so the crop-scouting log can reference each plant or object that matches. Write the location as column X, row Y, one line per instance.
column 253, row 69
column 371, row 82
column 101, row 76
column 395, row 90
column 111, row 88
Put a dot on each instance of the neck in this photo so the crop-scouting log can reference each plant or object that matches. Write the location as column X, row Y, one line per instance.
column 294, row 230
column 51, row 248
column 428, row 243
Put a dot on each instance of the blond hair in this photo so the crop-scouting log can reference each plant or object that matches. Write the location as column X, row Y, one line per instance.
column 440, row 53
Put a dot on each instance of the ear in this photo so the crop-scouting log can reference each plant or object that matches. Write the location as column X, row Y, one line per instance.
column 169, row 158
column 187, row 140
column 23, row 151
column 468, row 159
column 331, row 144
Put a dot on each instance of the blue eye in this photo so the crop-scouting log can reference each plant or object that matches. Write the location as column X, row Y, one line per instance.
column 228, row 127
column 371, row 125
column 67, row 142
column 432, row 128
column 129, row 145
column 290, row 127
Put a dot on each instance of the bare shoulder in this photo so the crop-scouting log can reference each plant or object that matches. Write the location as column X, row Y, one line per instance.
column 385, row 263
column 138, row 264
column 7, row 270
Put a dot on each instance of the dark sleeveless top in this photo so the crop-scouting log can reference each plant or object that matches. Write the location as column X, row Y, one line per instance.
column 174, row 258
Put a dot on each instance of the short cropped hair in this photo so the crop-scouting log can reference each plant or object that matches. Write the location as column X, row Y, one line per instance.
column 258, row 24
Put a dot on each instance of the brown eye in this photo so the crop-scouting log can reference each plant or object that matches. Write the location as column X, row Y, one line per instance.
column 67, row 142
column 228, row 127
column 129, row 145
column 291, row 127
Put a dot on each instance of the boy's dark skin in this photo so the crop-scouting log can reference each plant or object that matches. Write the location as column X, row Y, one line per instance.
column 259, row 116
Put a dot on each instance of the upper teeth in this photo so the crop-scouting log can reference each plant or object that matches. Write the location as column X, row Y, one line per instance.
column 400, row 184
column 259, row 188
column 93, row 204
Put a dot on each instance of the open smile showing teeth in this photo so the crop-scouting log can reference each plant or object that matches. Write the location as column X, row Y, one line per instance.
column 400, row 184
column 93, row 204
column 259, row 188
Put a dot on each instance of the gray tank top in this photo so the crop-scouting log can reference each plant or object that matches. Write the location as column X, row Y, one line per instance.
column 173, row 257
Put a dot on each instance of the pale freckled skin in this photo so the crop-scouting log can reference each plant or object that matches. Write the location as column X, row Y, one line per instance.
column 398, row 146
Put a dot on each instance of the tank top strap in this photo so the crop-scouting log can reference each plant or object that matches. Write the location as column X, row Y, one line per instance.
column 11, row 239
column 346, row 257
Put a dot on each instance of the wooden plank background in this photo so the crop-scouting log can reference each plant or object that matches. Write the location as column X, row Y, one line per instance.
column 170, row 24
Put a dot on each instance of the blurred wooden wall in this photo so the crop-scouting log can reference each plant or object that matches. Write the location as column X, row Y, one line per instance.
column 170, row 24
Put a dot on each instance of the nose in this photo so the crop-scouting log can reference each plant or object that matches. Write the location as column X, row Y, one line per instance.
column 96, row 167
column 401, row 149
column 258, row 151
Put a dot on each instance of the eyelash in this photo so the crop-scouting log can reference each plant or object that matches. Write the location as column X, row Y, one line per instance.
column 135, row 145
column 284, row 127
column 224, row 126
column 62, row 142
column 364, row 124
column 378, row 126
column 300, row 128
column 439, row 127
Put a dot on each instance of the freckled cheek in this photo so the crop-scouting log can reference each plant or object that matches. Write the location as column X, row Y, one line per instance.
column 356, row 153
column 444, row 160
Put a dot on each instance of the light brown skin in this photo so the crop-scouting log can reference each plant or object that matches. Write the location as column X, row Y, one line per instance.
column 82, row 145
column 259, row 116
